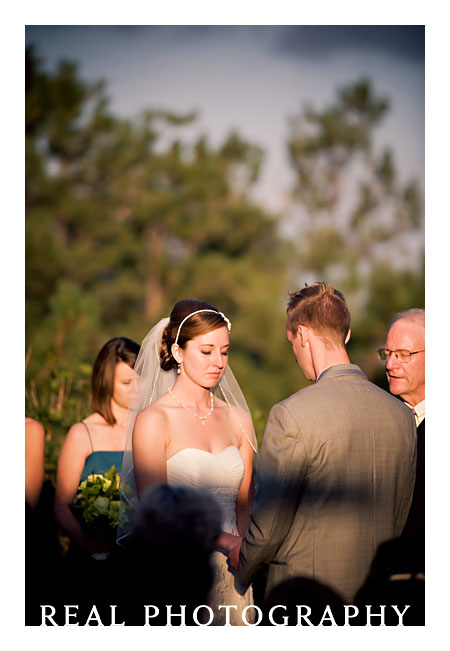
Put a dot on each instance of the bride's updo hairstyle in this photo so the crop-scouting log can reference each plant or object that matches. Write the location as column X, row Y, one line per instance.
column 195, row 325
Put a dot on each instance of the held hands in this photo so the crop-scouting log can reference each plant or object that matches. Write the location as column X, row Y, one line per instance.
column 226, row 541
column 231, row 545
column 233, row 555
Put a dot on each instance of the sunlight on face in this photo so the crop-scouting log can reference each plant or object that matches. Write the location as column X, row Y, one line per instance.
column 122, row 384
column 205, row 357
column 407, row 380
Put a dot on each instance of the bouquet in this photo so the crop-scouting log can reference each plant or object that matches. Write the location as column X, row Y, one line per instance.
column 96, row 504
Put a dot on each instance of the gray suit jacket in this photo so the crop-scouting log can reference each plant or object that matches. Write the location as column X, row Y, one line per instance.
column 336, row 478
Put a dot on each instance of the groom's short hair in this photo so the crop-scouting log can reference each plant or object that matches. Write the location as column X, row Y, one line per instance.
column 322, row 308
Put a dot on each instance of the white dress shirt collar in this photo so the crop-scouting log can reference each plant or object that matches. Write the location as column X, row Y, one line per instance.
column 419, row 411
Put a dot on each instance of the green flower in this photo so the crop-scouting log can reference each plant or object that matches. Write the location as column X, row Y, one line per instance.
column 96, row 503
column 106, row 483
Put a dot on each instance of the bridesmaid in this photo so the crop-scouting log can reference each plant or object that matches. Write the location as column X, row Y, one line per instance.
column 97, row 442
column 34, row 461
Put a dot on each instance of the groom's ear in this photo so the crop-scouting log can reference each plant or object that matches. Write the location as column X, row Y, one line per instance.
column 303, row 333
column 347, row 337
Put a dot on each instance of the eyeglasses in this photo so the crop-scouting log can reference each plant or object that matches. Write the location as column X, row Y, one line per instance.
column 403, row 356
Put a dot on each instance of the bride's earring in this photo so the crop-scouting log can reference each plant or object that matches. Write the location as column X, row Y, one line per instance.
column 179, row 369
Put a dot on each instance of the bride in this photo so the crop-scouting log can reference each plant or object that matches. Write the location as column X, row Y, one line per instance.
column 189, row 425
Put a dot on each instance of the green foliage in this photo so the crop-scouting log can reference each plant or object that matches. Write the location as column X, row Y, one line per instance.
column 96, row 504
column 124, row 218
column 57, row 402
column 359, row 227
column 389, row 291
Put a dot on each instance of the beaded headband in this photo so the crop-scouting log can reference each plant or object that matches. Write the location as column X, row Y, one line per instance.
column 228, row 322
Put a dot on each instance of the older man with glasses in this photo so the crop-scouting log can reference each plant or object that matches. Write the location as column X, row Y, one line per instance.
column 404, row 355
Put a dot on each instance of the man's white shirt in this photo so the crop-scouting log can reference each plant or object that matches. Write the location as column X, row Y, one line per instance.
column 419, row 410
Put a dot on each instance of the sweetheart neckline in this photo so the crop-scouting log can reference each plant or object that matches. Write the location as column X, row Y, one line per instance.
column 214, row 454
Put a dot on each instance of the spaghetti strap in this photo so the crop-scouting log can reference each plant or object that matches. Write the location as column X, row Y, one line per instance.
column 89, row 434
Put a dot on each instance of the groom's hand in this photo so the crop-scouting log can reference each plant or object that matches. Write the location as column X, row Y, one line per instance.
column 227, row 541
column 233, row 555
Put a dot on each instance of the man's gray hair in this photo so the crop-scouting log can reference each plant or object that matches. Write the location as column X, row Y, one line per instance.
column 415, row 314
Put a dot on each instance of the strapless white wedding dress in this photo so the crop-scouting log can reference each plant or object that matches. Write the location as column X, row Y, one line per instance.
column 221, row 474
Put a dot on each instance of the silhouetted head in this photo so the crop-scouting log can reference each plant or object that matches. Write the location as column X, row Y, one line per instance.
column 302, row 591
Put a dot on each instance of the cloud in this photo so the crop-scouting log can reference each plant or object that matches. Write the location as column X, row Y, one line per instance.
column 319, row 41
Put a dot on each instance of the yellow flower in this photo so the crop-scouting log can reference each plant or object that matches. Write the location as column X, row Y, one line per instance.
column 93, row 478
column 106, row 483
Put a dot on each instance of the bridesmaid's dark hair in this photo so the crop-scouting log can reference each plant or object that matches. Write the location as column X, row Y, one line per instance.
column 197, row 324
column 119, row 349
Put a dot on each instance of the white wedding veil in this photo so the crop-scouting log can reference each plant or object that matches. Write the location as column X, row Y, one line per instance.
column 149, row 383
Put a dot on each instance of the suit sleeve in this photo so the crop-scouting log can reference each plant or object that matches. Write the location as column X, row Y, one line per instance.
column 282, row 470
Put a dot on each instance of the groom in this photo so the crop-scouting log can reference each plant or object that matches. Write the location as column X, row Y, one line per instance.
column 337, row 463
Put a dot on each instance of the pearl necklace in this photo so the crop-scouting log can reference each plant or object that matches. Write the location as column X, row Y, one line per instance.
column 202, row 418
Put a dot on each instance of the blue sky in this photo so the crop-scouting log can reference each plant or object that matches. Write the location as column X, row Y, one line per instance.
column 252, row 78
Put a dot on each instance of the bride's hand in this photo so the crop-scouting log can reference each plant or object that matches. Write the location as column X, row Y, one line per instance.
column 226, row 541
column 233, row 555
